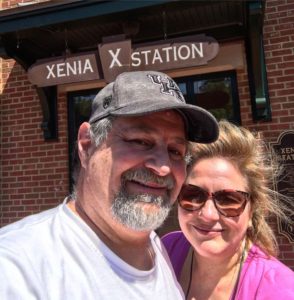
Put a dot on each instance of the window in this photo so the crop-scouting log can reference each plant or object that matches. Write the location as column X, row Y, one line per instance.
column 79, row 109
column 215, row 92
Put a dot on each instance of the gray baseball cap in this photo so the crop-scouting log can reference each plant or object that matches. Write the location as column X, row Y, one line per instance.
column 143, row 92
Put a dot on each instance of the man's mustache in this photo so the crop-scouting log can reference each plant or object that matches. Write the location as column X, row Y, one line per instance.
column 145, row 176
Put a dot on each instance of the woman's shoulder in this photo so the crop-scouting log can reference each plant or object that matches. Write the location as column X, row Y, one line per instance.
column 268, row 263
column 176, row 245
column 174, row 239
column 177, row 248
column 266, row 276
column 174, row 235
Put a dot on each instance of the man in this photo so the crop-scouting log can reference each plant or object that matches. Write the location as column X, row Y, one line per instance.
column 100, row 243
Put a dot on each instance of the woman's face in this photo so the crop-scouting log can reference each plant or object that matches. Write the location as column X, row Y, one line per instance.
column 211, row 234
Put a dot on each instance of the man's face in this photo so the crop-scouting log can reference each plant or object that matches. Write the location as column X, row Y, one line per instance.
column 135, row 176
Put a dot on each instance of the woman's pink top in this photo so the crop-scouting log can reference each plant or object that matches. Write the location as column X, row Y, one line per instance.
column 262, row 277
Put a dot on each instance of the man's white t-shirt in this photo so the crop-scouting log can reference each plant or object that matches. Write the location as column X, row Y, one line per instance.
column 55, row 255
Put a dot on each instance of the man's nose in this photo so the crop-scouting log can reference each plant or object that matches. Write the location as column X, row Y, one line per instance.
column 159, row 161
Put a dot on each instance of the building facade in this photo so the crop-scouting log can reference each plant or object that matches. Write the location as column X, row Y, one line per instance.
column 234, row 58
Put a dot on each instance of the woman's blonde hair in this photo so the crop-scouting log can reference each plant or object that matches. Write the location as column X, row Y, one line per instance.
column 248, row 152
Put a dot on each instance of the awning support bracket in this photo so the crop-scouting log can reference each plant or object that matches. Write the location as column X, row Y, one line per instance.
column 48, row 101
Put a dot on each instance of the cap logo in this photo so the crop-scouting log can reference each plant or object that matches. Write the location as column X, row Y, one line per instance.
column 106, row 101
column 167, row 86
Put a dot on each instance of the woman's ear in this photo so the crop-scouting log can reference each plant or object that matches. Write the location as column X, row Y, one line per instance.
column 250, row 225
column 84, row 143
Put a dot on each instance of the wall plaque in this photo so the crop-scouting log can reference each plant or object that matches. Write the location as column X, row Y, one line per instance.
column 284, row 149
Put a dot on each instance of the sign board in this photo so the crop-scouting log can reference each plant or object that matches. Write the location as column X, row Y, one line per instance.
column 120, row 56
column 284, row 149
column 74, row 68
column 163, row 55
column 115, row 58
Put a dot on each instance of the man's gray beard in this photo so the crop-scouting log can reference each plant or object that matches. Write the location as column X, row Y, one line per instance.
column 129, row 210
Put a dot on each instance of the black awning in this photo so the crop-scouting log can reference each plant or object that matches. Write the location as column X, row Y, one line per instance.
column 45, row 30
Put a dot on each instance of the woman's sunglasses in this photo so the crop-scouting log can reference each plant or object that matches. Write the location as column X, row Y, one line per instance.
column 229, row 203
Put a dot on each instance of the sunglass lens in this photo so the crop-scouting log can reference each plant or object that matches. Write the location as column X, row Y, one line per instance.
column 230, row 203
column 192, row 198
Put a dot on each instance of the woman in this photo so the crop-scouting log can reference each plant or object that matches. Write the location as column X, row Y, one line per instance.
column 226, row 249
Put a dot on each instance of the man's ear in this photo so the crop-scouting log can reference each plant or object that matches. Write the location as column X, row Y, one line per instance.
column 84, row 143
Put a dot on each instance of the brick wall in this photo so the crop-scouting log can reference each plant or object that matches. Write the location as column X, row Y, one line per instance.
column 279, row 45
column 279, row 51
column 34, row 173
column 279, row 56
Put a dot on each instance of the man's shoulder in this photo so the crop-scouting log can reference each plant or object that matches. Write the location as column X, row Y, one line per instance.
column 29, row 228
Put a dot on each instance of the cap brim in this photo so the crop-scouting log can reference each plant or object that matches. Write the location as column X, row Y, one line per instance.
column 201, row 125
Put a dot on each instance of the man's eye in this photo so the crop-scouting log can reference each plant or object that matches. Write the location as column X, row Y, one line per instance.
column 177, row 154
column 139, row 142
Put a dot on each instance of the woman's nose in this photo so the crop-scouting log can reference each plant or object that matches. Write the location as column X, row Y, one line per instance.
column 209, row 210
